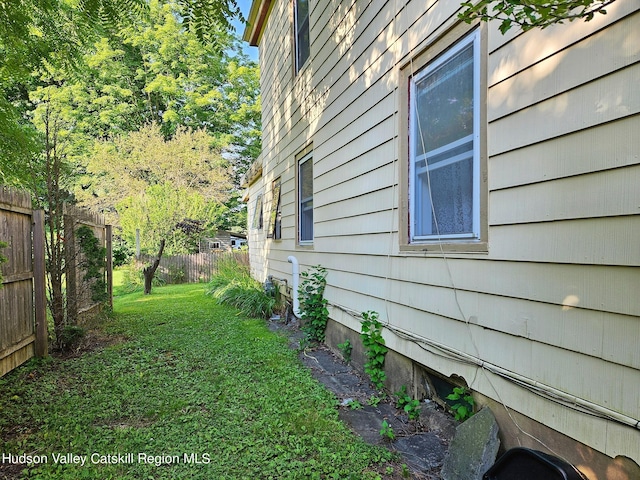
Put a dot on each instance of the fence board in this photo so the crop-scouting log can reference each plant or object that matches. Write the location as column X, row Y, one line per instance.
column 39, row 277
column 18, row 334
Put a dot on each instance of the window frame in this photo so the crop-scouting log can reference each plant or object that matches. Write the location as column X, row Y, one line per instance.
column 436, row 53
column 298, row 27
column 257, row 222
column 305, row 156
column 275, row 217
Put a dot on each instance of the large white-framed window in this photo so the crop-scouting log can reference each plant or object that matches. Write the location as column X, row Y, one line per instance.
column 444, row 174
column 305, row 199
column 301, row 33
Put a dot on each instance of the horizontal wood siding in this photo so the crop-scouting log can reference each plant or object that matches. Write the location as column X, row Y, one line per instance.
column 558, row 283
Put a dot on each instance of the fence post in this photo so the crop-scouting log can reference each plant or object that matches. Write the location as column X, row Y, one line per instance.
column 42, row 333
column 71, row 253
column 109, row 239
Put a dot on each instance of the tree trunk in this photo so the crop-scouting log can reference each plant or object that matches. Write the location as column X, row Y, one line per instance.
column 150, row 271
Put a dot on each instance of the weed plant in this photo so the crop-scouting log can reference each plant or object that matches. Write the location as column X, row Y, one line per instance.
column 387, row 432
column 346, row 348
column 191, row 380
column 313, row 305
column 409, row 405
column 463, row 403
column 374, row 345
column 233, row 285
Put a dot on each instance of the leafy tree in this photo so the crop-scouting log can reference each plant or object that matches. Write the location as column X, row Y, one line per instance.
column 35, row 34
column 533, row 13
column 157, row 72
column 150, row 270
column 50, row 182
column 158, row 186
column 241, row 95
column 51, row 50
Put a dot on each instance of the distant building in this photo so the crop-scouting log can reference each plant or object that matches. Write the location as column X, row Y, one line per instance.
column 224, row 241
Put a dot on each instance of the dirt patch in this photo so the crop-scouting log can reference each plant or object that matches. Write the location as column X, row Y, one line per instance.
column 93, row 340
column 10, row 471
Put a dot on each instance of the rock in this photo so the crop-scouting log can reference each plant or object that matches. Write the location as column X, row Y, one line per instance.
column 424, row 452
column 473, row 449
column 437, row 421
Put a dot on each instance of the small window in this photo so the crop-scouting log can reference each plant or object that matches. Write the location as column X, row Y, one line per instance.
column 214, row 245
column 444, row 145
column 305, row 199
column 257, row 221
column 275, row 219
column 301, row 38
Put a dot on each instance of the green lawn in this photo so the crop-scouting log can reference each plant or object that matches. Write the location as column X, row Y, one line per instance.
column 189, row 380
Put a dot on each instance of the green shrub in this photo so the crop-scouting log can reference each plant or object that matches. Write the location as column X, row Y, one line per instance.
column 94, row 263
column 121, row 254
column 409, row 405
column 464, row 403
column 177, row 274
column 133, row 278
column 313, row 305
column 233, row 285
column 70, row 335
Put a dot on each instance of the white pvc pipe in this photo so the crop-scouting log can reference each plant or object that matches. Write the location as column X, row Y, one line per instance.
column 295, row 267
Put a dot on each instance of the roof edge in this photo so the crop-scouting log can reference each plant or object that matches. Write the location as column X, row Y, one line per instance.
column 260, row 10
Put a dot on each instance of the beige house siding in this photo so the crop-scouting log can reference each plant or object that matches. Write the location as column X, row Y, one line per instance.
column 554, row 298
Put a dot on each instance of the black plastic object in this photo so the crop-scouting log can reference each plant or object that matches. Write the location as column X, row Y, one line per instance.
column 526, row 464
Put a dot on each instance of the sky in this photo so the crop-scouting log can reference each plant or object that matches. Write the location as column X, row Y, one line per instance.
column 245, row 6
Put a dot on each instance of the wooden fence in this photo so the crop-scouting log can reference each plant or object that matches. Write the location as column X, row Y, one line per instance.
column 194, row 268
column 23, row 305
column 23, row 324
column 80, row 303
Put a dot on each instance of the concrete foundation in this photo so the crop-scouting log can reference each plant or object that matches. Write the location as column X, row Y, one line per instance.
column 423, row 383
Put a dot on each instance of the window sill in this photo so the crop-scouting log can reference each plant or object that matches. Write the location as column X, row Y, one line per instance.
column 445, row 247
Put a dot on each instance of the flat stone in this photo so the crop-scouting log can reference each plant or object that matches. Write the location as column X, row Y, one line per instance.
column 424, row 452
column 325, row 361
column 473, row 449
column 367, row 421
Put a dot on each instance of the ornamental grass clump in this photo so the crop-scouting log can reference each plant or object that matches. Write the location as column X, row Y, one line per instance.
column 233, row 285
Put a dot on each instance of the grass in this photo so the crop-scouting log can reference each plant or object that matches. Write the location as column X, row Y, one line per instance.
column 192, row 379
